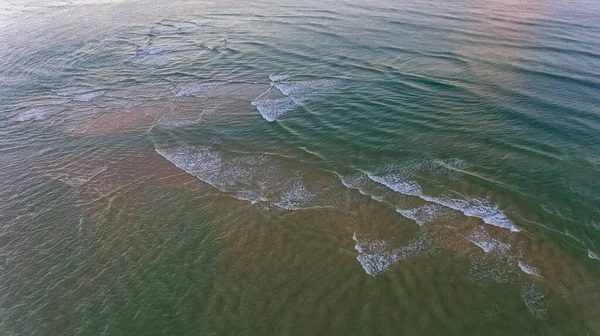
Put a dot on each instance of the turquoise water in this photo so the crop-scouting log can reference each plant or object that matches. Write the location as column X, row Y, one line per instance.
column 299, row 168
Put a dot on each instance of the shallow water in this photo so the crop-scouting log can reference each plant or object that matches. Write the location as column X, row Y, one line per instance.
column 305, row 167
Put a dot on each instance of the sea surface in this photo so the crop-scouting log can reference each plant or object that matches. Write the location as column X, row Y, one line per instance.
column 302, row 167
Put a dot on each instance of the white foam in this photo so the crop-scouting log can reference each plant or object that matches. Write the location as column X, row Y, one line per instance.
column 421, row 215
column 375, row 256
column 534, row 300
column 278, row 78
column 397, row 183
column 253, row 178
column 481, row 238
column 33, row 114
column 271, row 109
column 474, row 207
column 295, row 197
column 528, row 269
column 593, row 255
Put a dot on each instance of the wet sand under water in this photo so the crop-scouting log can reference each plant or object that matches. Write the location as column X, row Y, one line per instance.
column 348, row 251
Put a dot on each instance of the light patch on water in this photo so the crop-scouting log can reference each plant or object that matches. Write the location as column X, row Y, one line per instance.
column 593, row 255
column 421, row 215
column 535, row 300
column 375, row 256
column 33, row 114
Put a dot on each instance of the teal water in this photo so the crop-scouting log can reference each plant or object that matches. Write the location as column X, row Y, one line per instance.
column 299, row 168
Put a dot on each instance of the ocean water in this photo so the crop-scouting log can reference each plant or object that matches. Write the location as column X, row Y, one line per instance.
column 300, row 167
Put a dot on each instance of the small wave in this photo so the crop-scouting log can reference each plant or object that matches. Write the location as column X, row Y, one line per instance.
column 528, row 269
column 307, row 90
column 271, row 109
column 295, row 94
column 473, row 207
column 398, row 183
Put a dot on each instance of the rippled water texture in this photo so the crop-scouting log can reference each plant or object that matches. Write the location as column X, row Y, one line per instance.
column 300, row 168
